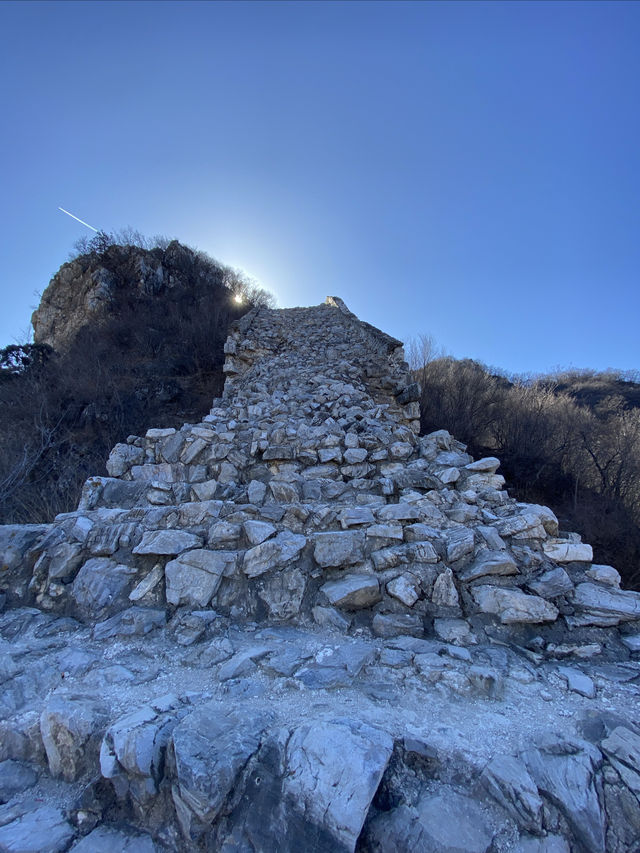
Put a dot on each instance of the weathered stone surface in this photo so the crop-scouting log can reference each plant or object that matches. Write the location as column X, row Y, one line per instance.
column 353, row 592
column 16, row 541
column 622, row 747
column 405, row 588
column 440, row 823
column 604, row 574
column 612, row 605
column 507, row 780
column 306, row 487
column 101, row 586
column 460, row 543
column 283, row 593
column 513, row 606
column 551, row 584
column 577, row 681
column 396, row 624
column 107, row 839
column 273, row 554
column 209, row 748
column 71, row 732
column 565, row 772
column 488, row 465
column 339, row 548
column 168, row 542
column 132, row 622
column 444, row 592
column 490, row 563
column 568, row 552
column 457, row 631
column 15, row 778
column 43, row 830
column 258, row 531
column 123, row 457
column 194, row 577
column 330, row 792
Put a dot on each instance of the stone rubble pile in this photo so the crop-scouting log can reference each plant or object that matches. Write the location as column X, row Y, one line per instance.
column 164, row 645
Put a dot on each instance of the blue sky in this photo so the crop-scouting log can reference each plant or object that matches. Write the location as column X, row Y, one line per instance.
column 466, row 170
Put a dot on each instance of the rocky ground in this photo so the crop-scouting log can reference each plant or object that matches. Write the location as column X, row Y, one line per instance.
column 298, row 626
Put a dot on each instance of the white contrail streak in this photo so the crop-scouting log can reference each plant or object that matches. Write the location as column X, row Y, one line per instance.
column 79, row 220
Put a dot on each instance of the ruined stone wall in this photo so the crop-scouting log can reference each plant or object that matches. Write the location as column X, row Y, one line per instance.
column 165, row 644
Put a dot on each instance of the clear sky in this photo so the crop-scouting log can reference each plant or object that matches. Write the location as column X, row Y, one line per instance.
column 467, row 170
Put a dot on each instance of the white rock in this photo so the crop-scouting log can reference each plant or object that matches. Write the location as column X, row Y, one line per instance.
column 405, row 589
column 513, row 606
column 194, row 577
column 604, row 574
column 568, row 552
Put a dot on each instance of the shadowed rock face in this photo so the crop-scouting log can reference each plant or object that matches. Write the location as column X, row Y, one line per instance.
column 266, row 623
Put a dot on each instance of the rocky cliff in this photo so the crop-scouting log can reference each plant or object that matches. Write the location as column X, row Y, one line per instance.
column 86, row 288
column 297, row 625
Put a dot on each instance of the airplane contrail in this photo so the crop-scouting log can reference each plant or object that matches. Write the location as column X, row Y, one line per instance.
column 79, row 220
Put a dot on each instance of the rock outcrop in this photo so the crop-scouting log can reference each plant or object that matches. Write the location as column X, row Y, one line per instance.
column 300, row 625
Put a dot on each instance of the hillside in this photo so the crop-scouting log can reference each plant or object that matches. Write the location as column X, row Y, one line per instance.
column 124, row 338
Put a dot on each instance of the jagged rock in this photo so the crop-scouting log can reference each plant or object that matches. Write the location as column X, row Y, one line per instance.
column 460, row 543
column 622, row 747
column 405, row 589
column 17, row 559
column 564, row 771
column 71, row 732
column 353, row 592
column 101, row 587
column 208, row 750
column 578, row 681
column 132, row 753
column 551, row 584
column 395, row 624
column 272, row 554
column 444, row 592
column 306, row 494
column 606, row 606
column 257, row 531
column 194, row 577
column 604, row 574
column 168, row 542
column 331, row 793
column 283, row 593
column 329, row 617
column 507, row 780
column 490, row 563
column 455, row 631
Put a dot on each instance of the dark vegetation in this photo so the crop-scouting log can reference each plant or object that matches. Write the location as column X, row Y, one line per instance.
column 152, row 356
column 570, row 441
